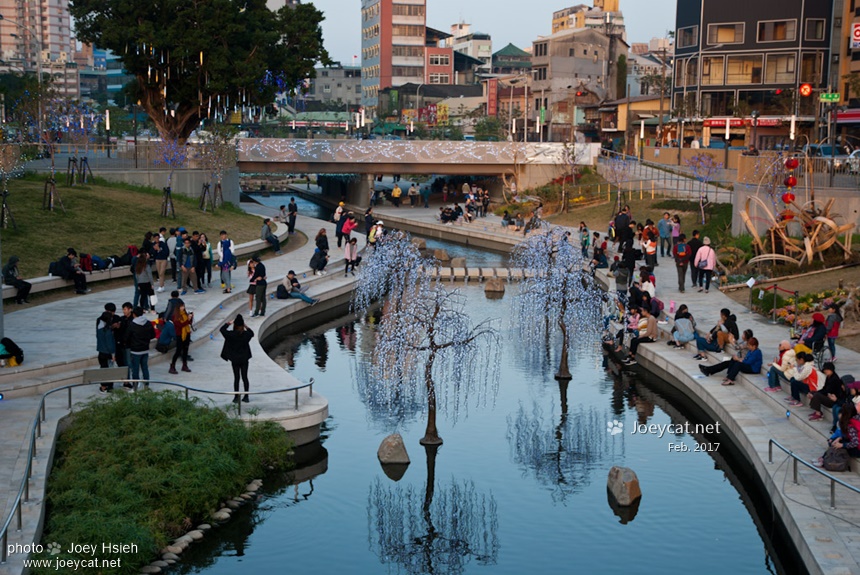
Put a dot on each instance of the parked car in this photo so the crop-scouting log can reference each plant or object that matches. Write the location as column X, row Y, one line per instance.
column 827, row 153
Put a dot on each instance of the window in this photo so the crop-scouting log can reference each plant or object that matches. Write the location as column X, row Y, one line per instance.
column 690, row 68
column 743, row 70
column 540, row 49
column 726, row 33
column 811, row 64
column 408, row 51
column 324, row 73
column 407, row 10
column 440, row 79
column 777, row 31
column 814, row 29
column 326, row 88
column 411, row 71
column 407, row 30
column 440, row 60
column 540, row 73
column 780, row 69
column 687, row 37
column 712, row 70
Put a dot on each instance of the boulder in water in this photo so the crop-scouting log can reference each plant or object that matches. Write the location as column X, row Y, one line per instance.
column 392, row 450
column 623, row 485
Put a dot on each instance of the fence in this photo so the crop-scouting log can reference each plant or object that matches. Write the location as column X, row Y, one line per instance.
column 773, row 311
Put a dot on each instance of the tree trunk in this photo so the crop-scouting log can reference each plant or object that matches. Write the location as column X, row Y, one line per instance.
column 431, row 434
column 563, row 369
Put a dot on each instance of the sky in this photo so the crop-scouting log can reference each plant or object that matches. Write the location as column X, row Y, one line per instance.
column 519, row 22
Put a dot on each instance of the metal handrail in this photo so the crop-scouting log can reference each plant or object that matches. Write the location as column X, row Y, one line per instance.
column 796, row 458
column 36, row 431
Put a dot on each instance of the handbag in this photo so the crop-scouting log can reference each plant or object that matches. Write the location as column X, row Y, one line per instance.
column 703, row 264
column 153, row 300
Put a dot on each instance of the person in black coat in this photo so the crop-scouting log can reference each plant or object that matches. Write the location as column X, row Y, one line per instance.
column 237, row 350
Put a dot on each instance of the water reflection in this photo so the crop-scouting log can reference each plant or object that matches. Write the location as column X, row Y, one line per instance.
column 562, row 455
column 439, row 530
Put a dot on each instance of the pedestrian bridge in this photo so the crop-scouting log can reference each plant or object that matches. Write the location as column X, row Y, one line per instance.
column 272, row 155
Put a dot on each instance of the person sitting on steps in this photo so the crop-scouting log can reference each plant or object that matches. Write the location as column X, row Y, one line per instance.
column 751, row 363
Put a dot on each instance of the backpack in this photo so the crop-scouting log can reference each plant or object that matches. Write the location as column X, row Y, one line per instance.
column 13, row 349
column 836, row 459
column 86, row 263
column 98, row 263
column 132, row 250
column 659, row 303
column 54, row 269
column 682, row 251
column 281, row 292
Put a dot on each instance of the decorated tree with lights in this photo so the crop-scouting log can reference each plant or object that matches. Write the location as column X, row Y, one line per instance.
column 616, row 171
column 557, row 297
column 217, row 153
column 426, row 345
column 192, row 60
column 705, row 168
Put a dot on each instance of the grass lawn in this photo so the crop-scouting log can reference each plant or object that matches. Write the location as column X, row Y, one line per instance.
column 597, row 217
column 103, row 219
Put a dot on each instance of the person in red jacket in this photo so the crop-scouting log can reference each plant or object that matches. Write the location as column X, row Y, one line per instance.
column 348, row 226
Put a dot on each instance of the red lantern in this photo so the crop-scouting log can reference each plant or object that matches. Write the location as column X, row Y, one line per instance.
column 791, row 164
column 787, row 197
column 790, row 182
column 787, row 215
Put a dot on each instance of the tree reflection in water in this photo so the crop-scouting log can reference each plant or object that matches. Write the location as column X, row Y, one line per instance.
column 438, row 531
column 561, row 456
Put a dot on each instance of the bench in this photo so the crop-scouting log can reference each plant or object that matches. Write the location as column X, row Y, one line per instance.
column 50, row 283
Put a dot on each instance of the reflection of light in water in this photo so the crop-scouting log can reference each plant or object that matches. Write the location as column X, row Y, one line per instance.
column 563, row 455
column 439, row 530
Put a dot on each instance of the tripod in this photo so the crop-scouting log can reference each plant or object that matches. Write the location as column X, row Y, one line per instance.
column 84, row 169
column 167, row 209
column 71, row 171
column 6, row 213
column 52, row 196
column 206, row 197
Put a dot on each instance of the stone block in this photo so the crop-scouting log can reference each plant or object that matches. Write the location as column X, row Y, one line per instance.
column 458, row 262
column 442, row 256
column 623, row 485
column 494, row 285
column 419, row 243
column 392, row 450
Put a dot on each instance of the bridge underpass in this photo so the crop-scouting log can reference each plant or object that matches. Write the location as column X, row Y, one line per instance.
column 530, row 164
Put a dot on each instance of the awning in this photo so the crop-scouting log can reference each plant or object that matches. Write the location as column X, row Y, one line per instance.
column 849, row 116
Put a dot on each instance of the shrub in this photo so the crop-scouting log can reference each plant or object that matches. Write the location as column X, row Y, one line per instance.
column 142, row 467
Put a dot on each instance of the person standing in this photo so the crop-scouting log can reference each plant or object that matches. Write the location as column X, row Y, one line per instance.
column 413, row 197
column 694, row 244
column 161, row 254
column 12, row 277
column 237, row 350
column 140, row 333
column 395, row 195
column 292, row 212
column 174, row 245
column 350, row 254
column 681, row 251
column 182, row 326
column 205, row 263
column 584, row 239
column 425, row 196
column 143, row 276
column 348, row 226
column 120, row 331
column 259, row 281
column 188, row 266
column 664, row 228
column 676, row 228
column 338, row 229
column 706, row 262
column 105, row 342
column 226, row 261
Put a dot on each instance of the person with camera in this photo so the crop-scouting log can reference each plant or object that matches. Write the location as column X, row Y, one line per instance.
column 182, row 325
column 237, row 350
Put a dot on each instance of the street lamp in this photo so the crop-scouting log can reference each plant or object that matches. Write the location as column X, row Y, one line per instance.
column 755, row 114
column 35, row 38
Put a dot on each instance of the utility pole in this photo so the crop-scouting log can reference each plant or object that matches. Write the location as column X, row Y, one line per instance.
column 662, row 90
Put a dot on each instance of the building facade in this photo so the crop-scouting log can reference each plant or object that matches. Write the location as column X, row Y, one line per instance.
column 336, row 83
column 735, row 56
column 474, row 44
column 582, row 16
column 37, row 33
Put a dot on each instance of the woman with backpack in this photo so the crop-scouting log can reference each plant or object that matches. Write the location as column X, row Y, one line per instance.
column 682, row 253
column 237, row 350
column 706, row 263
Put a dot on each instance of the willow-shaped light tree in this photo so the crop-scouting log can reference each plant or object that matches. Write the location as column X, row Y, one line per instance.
column 616, row 171
column 426, row 344
column 217, row 153
column 705, row 169
column 557, row 296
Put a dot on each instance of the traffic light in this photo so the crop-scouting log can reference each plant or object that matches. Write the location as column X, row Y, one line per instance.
column 806, row 90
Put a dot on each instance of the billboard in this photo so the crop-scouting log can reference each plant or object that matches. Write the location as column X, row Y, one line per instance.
column 492, row 97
